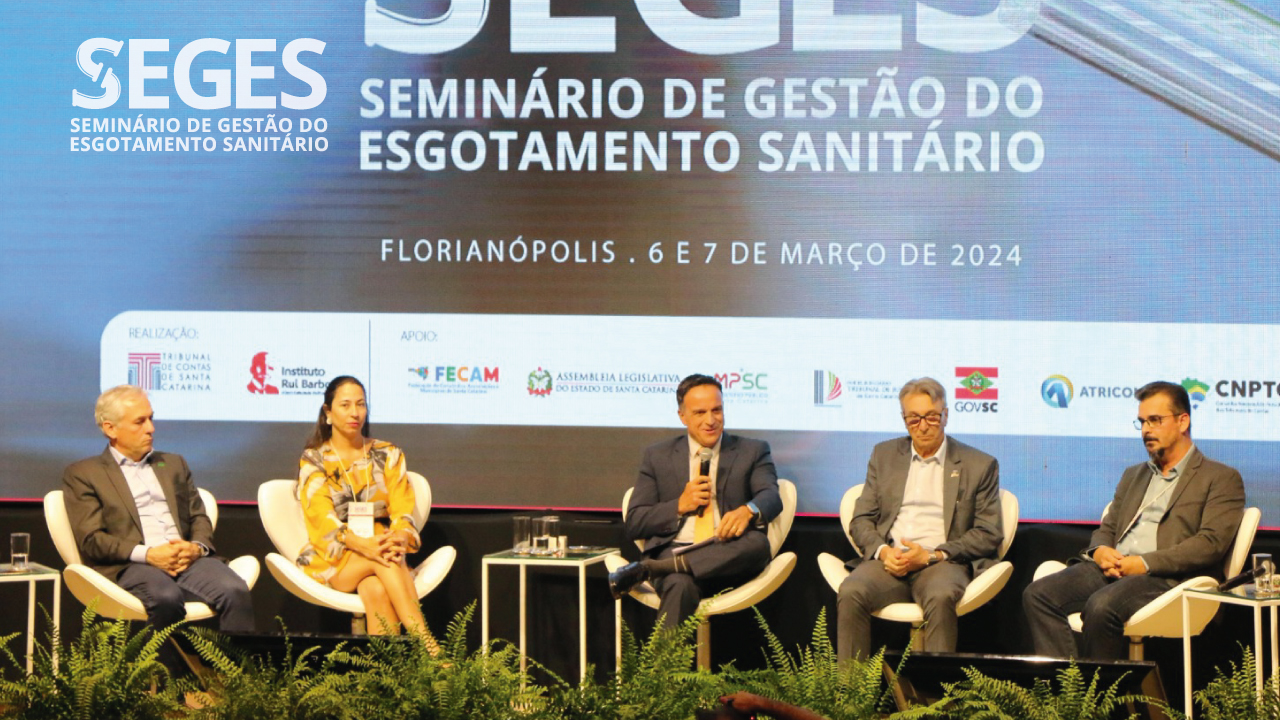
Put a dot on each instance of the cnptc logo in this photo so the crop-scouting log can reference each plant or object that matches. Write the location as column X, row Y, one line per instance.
column 1057, row 391
column 540, row 383
column 1196, row 389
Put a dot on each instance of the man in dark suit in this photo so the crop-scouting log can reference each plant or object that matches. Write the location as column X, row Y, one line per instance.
column 927, row 521
column 1172, row 518
column 675, row 505
column 139, row 520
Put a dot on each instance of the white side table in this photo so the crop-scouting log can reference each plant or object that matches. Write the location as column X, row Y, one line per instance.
column 575, row 560
column 34, row 573
column 1245, row 596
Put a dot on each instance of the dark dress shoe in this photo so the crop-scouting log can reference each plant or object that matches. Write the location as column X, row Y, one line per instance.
column 627, row 577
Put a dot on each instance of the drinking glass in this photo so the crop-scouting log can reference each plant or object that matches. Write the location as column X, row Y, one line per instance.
column 19, row 550
column 1264, row 571
column 551, row 529
column 521, row 535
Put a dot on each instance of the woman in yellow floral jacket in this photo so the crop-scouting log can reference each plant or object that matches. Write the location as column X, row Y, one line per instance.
column 342, row 465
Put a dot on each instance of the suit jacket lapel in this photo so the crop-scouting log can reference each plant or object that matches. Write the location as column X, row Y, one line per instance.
column 1192, row 466
column 952, row 474
column 115, row 478
column 895, row 485
column 728, row 455
column 165, row 476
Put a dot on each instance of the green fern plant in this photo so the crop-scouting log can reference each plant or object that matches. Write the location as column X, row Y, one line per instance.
column 657, row 680
column 108, row 672
column 302, row 687
column 813, row 678
column 1233, row 695
column 981, row 697
column 397, row 678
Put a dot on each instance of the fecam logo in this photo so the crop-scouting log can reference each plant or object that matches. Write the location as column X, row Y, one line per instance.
column 148, row 62
column 815, row 27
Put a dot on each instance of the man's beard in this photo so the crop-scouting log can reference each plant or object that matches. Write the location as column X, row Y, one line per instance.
column 1157, row 455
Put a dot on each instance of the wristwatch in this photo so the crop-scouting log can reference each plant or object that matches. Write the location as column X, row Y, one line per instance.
column 937, row 556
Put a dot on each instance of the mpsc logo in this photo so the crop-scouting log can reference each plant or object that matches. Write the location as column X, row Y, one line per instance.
column 758, row 24
column 240, row 73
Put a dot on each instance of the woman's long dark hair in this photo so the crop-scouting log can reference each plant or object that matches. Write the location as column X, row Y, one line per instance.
column 323, row 430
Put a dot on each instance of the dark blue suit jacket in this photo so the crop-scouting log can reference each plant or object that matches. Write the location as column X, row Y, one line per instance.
column 745, row 473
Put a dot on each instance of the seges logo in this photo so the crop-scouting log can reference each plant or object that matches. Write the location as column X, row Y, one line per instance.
column 826, row 389
column 1057, row 391
column 815, row 26
column 540, row 383
column 239, row 72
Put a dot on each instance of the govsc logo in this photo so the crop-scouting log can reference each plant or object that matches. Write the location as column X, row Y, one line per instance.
column 241, row 73
column 1057, row 391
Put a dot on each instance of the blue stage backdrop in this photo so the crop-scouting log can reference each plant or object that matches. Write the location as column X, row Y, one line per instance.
column 520, row 222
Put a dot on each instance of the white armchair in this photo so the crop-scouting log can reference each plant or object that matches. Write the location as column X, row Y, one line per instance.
column 1162, row 617
column 282, row 518
column 741, row 597
column 88, row 585
column 981, row 589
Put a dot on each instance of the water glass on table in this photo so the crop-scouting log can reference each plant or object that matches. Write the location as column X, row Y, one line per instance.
column 521, row 540
column 19, row 550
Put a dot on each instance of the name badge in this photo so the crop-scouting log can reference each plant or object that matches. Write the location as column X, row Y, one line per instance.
column 360, row 518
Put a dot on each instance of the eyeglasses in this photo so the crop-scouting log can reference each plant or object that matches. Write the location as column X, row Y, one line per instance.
column 1153, row 421
column 930, row 419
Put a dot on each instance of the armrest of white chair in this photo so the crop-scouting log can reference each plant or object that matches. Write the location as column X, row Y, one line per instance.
column 1162, row 617
column 432, row 571
column 112, row 601
column 247, row 567
column 754, row 590
column 302, row 585
column 1048, row 568
column 984, row 587
column 833, row 570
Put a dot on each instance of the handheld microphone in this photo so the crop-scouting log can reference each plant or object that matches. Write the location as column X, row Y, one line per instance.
column 1242, row 578
column 705, row 455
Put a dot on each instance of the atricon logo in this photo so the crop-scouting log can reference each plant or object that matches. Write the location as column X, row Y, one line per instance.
column 1057, row 391
column 145, row 62
column 826, row 389
column 816, row 27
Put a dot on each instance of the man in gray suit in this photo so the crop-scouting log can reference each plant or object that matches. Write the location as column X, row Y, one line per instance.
column 927, row 521
column 699, row 537
column 139, row 520
column 1172, row 518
